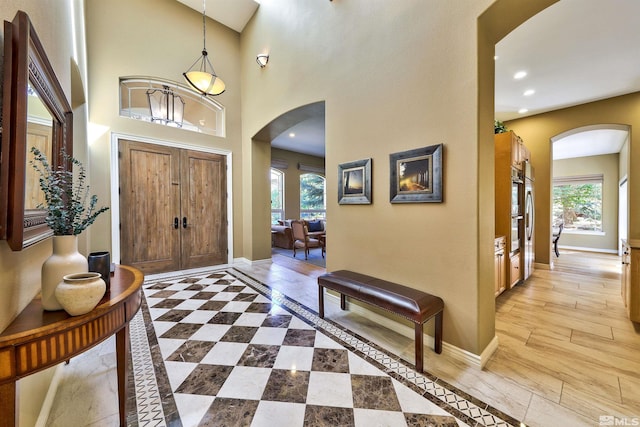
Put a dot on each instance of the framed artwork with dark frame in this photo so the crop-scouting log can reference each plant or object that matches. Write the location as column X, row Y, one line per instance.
column 416, row 175
column 354, row 183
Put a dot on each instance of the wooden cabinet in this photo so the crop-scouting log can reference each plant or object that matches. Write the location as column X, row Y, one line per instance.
column 515, row 274
column 500, row 264
column 630, row 286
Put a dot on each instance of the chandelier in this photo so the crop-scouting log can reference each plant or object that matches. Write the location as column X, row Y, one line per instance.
column 201, row 75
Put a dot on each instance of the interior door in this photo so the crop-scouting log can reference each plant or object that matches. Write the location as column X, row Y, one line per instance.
column 149, row 206
column 173, row 209
column 204, row 209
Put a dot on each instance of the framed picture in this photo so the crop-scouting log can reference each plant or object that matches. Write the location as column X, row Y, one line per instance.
column 416, row 175
column 354, row 183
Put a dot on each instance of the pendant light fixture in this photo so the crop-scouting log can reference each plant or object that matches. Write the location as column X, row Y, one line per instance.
column 201, row 75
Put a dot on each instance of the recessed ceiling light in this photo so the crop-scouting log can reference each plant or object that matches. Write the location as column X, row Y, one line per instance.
column 522, row 110
column 520, row 75
column 291, row 135
column 529, row 92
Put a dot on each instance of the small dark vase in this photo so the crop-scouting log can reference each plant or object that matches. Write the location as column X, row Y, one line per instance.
column 100, row 262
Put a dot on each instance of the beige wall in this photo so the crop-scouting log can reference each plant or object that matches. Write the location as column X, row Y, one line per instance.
column 292, row 178
column 607, row 166
column 20, row 271
column 537, row 132
column 158, row 38
column 394, row 76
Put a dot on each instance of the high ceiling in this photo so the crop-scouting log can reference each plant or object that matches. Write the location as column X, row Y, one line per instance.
column 575, row 51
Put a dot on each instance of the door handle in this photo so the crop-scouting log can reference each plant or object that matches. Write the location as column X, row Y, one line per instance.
column 176, row 223
column 184, row 222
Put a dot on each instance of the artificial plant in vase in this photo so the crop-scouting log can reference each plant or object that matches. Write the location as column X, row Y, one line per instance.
column 70, row 210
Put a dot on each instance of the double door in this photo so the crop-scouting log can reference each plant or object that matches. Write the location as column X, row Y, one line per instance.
column 173, row 207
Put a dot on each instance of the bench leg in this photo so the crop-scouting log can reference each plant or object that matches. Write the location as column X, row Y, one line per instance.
column 321, row 301
column 438, row 333
column 343, row 302
column 419, row 347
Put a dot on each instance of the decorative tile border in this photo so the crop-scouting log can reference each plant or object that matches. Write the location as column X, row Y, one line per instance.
column 466, row 408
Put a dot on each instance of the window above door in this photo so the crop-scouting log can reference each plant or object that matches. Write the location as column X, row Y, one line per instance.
column 168, row 103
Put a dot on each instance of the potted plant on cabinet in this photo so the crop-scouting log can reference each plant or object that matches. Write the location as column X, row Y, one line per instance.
column 70, row 210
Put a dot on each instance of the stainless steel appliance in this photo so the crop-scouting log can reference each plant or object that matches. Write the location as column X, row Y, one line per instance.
column 516, row 211
column 529, row 220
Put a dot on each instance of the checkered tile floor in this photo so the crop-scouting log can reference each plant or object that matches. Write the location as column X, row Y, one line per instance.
column 220, row 349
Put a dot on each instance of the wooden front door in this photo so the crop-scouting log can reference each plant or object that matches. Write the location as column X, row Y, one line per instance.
column 173, row 210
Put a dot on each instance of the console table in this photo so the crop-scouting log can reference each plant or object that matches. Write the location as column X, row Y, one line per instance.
column 39, row 339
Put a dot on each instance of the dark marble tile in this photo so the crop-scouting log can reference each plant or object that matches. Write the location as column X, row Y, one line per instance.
column 322, row 416
column 259, row 307
column 195, row 287
column 277, row 321
column 205, row 379
column 259, row 356
column 234, row 288
column 213, row 305
column 300, row 338
column 163, row 294
column 216, row 276
column 225, row 318
column 204, row 295
column 423, row 420
column 223, row 282
column 245, row 297
column 191, row 351
column 330, row 360
column 159, row 286
column 383, row 399
column 287, row 386
column 225, row 412
column 182, row 331
column 239, row 334
column 174, row 315
column 168, row 303
column 190, row 280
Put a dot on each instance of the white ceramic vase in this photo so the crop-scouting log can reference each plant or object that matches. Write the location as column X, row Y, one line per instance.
column 79, row 293
column 65, row 260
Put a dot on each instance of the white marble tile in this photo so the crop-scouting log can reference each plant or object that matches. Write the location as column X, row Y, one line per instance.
column 251, row 319
column 237, row 306
column 162, row 327
column 323, row 341
column 359, row 366
column 192, row 407
column 299, row 324
column 224, row 296
column 281, row 414
column 370, row 418
column 199, row 316
column 330, row 389
column 272, row 336
column 294, row 358
column 177, row 372
column 190, row 304
column 210, row 332
column 413, row 403
column 245, row 382
column 225, row 353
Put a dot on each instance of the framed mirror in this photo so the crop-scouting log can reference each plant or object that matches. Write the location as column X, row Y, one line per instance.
column 35, row 113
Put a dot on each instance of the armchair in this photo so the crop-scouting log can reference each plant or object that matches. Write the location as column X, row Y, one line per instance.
column 301, row 239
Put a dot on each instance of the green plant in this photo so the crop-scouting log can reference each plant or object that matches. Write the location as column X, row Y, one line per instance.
column 70, row 209
column 499, row 127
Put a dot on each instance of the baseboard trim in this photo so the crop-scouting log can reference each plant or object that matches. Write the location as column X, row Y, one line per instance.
column 47, row 404
column 540, row 266
column 249, row 262
column 448, row 350
column 581, row 249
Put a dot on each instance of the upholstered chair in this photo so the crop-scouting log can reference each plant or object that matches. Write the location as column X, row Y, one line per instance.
column 301, row 240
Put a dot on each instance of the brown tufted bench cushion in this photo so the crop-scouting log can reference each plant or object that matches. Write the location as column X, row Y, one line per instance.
column 409, row 303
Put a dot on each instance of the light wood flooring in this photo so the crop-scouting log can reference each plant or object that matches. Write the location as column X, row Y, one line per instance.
column 567, row 353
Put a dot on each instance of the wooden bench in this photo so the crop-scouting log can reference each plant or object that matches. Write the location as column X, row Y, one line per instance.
column 409, row 303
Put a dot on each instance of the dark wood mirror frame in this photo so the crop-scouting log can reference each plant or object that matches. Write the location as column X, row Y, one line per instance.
column 25, row 62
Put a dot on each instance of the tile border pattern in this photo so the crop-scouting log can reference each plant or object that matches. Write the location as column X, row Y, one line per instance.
column 152, row 397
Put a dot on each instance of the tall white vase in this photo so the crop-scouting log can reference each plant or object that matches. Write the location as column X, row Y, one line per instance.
column 65, row 260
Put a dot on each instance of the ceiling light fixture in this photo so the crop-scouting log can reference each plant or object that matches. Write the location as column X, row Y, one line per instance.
column 529, row 92
column 198, row 76
column 523, row 110
column 262, row 60
column 520, row 75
